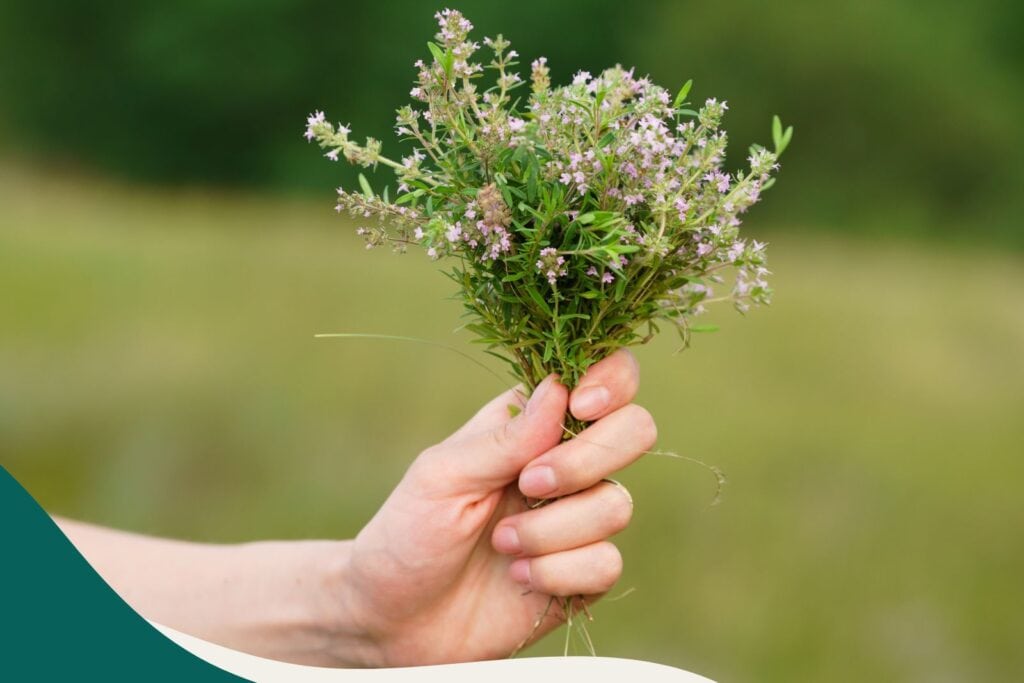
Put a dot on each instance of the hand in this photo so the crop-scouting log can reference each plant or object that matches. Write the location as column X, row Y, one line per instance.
column 456, row 567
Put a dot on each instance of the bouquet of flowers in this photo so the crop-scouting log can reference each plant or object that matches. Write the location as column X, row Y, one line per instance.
column 573, row 219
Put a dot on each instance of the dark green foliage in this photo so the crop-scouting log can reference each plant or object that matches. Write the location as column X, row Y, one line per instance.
column 909, row 113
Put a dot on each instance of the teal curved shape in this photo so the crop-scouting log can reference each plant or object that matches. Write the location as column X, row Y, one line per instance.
column 60, row 621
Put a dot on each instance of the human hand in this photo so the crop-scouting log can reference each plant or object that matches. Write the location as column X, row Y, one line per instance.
column 457, row 567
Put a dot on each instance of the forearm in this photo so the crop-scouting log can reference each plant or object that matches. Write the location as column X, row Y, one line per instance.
column 283, row 600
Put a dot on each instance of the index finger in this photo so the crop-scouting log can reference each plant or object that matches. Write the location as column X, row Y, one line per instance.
column 607, row 385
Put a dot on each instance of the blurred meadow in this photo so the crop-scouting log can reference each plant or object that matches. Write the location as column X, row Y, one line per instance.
column 168, row 250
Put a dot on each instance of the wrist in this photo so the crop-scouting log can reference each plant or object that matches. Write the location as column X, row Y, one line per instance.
column 288, row 600
column 339, row 635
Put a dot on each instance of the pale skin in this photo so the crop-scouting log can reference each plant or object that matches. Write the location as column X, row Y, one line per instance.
column 455, row 566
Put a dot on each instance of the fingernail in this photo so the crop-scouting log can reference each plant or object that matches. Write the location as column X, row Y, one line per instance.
column 537, row 482
column 589, row 401
column 538, row 395
column 506, row 540
column 520, row 572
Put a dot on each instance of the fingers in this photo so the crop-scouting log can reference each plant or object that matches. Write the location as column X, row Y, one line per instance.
column 607, row 386
column 582, row 519
column 490, row 450
column 588, row 570
column 601, row 450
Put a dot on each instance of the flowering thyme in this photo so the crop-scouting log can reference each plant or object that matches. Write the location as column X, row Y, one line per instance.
column 574, row 218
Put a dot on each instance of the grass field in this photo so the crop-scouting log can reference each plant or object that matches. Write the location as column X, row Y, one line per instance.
column 158, row 372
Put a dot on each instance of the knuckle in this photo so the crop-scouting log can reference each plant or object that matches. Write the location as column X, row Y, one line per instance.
column 607, row 565
column 429, row 453
column 421, row 475
column 619, row 507
column 633, row 369
column 644, row 427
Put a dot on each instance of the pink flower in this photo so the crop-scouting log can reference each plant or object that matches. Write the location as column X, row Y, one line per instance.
column 735, row 251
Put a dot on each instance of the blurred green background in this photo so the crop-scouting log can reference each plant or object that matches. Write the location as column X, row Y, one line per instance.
column 168, row 248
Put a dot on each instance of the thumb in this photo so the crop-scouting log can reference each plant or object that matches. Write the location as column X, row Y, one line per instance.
column 490, row 450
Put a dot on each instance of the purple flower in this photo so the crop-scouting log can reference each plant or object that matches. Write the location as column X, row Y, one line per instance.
column 454, row 233
column 551, row 264
column 735, row 251
column 682, row 207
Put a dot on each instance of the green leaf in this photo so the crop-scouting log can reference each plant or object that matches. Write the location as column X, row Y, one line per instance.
column 535, row 295
column 786, row 137
column 780, row 137
column 443, row 57
column 531, row 183
column 683, row 92
column 409, row 197
column 708, row 327
column 449, row 63
column 365, row 184
column 549, row 351
column 437, row 52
